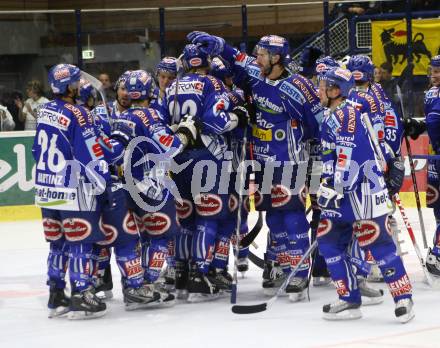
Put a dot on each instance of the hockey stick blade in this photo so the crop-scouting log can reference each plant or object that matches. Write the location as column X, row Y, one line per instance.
column 256, row 260
column 250, row 237
column 252, row 309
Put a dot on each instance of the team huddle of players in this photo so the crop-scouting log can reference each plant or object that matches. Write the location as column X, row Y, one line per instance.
column 155, row 178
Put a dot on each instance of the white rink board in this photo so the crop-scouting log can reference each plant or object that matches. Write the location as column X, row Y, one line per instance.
column 23, row 320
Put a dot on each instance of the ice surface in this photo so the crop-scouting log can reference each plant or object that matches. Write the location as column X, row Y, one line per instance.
column 24, row 322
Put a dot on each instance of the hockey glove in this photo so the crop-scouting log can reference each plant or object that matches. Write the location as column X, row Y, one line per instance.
column 208, row 44
column 243, row 116
column 395, row 175
column 187, row 130
column 413, row 128
column 122, row 132
column 328, row 198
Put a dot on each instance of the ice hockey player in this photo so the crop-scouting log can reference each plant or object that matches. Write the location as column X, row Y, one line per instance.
column 287, row 114
column 432, row 124
column 202, row 98
column 354, row 200
column 71, row 192
column 223, row 72
column 166, row 72
column 151, row 201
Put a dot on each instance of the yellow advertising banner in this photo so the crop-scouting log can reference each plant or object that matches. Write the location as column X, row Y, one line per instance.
column 389, row 43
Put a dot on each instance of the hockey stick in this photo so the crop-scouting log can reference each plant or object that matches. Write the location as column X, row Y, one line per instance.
column 396, row 197
column 252, row 234
column 256, row 260
column 257, row 308
column 237, row 229
column 413, row 173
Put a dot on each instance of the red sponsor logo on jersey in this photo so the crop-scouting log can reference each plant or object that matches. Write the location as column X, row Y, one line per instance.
column 222, row 250
column 133, row 268
column 342, row 159
column 110, row 232
column 390, row 120
column 208, row 204
column 220, row 105
column 156, row 223
column 76, row 229
column 52, row 229
column 366, row 232
column 157, row 260
column 341, row 287
column 280, row 195
column 400, row 287
column 63, row 121
column 184, row 209
column 166, row 140
column 431, row 194
column 129, row 225
column 380, row 134
column 232, row 203
column 240, row 57
column 97, row 150
column 324, row 227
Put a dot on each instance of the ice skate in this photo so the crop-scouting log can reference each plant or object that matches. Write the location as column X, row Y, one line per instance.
column 201, row 288
column 167, row 299
column 433, row 263
column 297, row 289
column 104, row 285
column 341, row 310
column 369, row 295
column 58, row 304
column 404, row 310
column 143, row 297
column 86, row 305
column 221, row 278
column 273, row 277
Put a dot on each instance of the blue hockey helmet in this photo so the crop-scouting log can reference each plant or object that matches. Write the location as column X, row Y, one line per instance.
column 325, row 64
column 194, row 57
column 435, row 61
column 121, row 80
column 275, row 44
column 361, row 67
column 86, row 91
column 139, row 85
column 61, row 76
column 168, row 64
column 341, row 78
column 220, row 69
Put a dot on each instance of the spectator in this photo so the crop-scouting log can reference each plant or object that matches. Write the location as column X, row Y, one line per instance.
column 354, row 8
column 8, row 100
column 6, row 121
column 108, row 86
column 27, row 113
column 377, row 75
column 388, row 82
